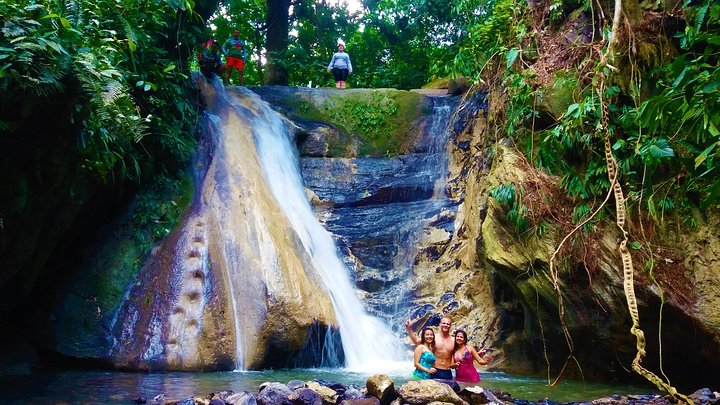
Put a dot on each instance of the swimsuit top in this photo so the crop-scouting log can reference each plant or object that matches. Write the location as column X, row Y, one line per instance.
column 427, row 359
column 466, row 371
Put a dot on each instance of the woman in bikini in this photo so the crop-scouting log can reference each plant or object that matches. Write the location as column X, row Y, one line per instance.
column 424, row 357
column 463, row 356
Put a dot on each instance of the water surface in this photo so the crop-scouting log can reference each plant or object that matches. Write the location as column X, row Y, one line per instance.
column 111, row 387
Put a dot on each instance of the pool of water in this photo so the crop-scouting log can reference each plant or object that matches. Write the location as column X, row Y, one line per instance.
column 112, row 387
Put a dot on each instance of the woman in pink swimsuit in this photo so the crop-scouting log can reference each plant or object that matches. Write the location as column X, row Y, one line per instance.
column 463, row 356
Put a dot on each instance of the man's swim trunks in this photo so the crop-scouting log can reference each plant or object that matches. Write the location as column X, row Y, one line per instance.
column 441, row 374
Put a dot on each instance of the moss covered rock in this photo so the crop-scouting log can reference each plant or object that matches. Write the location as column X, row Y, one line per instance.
column 365, row 122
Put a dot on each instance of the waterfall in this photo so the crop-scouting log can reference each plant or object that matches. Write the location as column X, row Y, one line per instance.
column 437, row 157
column 367, row 342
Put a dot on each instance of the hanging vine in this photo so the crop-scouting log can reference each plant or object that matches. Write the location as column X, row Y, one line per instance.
column 604, row 71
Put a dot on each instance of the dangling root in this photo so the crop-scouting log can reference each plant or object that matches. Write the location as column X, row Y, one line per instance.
column 627, row 264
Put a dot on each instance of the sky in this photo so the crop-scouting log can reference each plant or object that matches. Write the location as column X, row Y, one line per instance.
column 352, row 5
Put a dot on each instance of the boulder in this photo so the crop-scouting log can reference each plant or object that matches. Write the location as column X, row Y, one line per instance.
column 381, row 387
column 477, row 396
column 328, row 394
column 419, row 392
column 274, row 393
column 222, row 394
column 352, row 392
column 361, row 401
column 241, row 398
column 305, row 396
column 295, row 384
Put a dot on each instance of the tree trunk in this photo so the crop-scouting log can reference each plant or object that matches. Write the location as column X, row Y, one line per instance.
column 258, row 53
column 278, row 27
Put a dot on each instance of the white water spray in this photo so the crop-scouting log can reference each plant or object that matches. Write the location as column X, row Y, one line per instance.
column 369, row 344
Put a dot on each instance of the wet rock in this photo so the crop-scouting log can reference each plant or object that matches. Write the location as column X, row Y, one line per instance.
column 222, row 394
column 186, row 401
column 274, row 393
column 361, row 401
column 295, row 384
column 140, row 400
column 381, row 387
column 452, row 384
column 546, row 401
column 241, row 398
column 316, row 138
column 305, row 396
column 451, row 307
column 327, row 394
column 632, row 400
column 705, row 396
column 426, row 391
column 351, row 392
column 475, row 395
column 434, row 320
column 445, row 298
column 217, row 401
column 421, row 312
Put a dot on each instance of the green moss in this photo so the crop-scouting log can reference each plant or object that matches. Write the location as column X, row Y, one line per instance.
column 118, row 256
column 379, row 121
column 563, row 92
column 441, row 83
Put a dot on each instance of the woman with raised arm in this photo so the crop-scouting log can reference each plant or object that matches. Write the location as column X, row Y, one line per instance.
column 463, row 356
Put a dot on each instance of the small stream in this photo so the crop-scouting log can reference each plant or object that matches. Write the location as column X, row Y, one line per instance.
column 109, row 387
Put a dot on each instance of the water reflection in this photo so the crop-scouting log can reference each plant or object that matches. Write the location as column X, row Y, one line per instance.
column 104, row 387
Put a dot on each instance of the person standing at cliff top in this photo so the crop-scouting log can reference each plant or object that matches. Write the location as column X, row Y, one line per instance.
column 234, row 49
column 340, row 66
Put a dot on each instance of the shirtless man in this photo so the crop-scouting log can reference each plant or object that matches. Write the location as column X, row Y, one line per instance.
column 444, row 345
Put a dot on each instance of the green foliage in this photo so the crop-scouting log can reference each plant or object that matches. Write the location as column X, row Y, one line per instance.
column 373, row 117
column 515, row 211
column 158, row 209
column 94, row 98
column 382, row 119
column 687, row 110
column 521, row 107
column 486, row 29
column 110, row 65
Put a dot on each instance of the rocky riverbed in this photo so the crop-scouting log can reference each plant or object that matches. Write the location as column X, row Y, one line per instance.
column 381, row 390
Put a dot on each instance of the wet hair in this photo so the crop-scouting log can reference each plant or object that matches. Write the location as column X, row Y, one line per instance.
column 422, row 338
column 459, row 332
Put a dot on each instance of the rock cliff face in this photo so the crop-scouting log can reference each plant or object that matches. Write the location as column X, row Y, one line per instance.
column 423, row 236
column 471, row 262
column 229, row 287
column 500, row 280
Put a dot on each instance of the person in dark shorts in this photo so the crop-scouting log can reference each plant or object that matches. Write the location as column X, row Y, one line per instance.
column 340, row 66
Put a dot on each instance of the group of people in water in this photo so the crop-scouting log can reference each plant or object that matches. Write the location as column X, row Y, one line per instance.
column 436, row 356
column 210, row 60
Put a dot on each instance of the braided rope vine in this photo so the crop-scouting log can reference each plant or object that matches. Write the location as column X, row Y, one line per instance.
column 603, row 130
column 626, row 258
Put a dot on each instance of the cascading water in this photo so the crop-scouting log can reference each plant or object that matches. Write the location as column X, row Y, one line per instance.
column 367, row 342
column 397, row 200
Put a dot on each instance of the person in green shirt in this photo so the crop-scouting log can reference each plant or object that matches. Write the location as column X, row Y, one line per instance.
column 234, row 50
